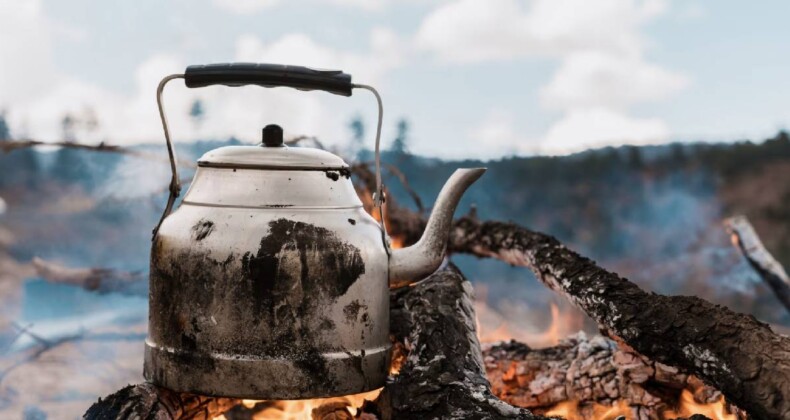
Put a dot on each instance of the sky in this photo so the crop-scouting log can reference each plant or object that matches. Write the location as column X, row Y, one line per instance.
column 474, row 78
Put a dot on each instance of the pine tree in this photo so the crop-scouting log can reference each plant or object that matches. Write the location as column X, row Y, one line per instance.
column 5, row 132
column 19, row 167
column 196, row 112
column 357, row 145
column 400, row 145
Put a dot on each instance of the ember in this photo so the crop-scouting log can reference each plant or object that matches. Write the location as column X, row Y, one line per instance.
column 593, row 378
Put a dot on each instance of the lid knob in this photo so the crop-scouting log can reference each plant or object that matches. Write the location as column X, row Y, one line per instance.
column 272, row 136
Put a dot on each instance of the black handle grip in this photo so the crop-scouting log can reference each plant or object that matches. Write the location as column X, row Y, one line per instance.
column 268, row 75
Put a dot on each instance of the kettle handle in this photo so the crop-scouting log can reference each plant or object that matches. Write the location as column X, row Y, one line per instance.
column 267, row 75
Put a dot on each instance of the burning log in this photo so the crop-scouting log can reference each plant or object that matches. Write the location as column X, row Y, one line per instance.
column 146, row 401
column 594, row 378
column 444, row 374
column 740, row 356
column 748, row 242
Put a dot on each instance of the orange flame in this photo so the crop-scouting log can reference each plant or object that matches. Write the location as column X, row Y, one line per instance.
column 396, row 241
column 688, row 406
column 570, row 410
column 303, row 409
column 493, row 325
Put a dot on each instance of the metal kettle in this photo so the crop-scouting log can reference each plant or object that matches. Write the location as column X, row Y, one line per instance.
column 270, row 281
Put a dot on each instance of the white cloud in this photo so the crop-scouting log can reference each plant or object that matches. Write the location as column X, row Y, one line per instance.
column 691, row 11
column 385, row 54
column 243, row 7
column 495, row 135
column 593, row 79
column 121, row 118
column 602, row 68
column 598, row 127
column 362, row 4
column 478, row 30
column 26, row 51
column 133, row 118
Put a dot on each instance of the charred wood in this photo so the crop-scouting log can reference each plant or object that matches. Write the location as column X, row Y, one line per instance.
column 443, row 375
column 740, row 356
column 595, row 373
column 146, row 401
column 748, row 242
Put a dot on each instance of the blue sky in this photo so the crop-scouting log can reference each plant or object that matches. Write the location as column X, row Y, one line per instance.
column 476, row 78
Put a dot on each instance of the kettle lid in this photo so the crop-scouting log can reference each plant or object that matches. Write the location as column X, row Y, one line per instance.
column 271, row 154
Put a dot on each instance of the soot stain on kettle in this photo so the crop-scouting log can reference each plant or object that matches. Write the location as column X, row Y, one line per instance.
column 202, row 229
column 335, row 174
column 351, row 311
column 302, row 265
column 298, row 270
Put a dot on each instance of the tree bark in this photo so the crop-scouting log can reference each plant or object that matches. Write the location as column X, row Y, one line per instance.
column 745, row 238
column 595, row 373
column 443, row 375
column 740, row 356
column 146, row 401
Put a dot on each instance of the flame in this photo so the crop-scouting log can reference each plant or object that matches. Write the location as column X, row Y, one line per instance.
column 303, row 409
column 570, row 410
column 492, row 324
column 688, row 406
column 396, row 241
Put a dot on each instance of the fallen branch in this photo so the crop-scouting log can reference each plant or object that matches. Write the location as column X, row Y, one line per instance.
column 740, row 356
column 101, row 280
column 748, row 242
column 44, row 345
column 8, row 146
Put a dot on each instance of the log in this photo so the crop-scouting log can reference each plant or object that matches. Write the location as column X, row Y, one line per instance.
column 443, row 375
column 146, row 401
column 95, row 279
column 735, row 353
column 748, row 242
column 595, row 374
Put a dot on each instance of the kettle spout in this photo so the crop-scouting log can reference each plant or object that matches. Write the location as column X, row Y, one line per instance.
column 415, row 262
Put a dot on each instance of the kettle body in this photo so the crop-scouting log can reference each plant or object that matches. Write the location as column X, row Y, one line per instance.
column 270, row 281
column 255, row 296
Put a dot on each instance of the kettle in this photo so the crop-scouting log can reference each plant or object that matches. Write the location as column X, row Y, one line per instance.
column 270, row 281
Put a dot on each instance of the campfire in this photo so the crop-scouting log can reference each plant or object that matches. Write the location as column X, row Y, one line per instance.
column 567, row 375
column 457, row 356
